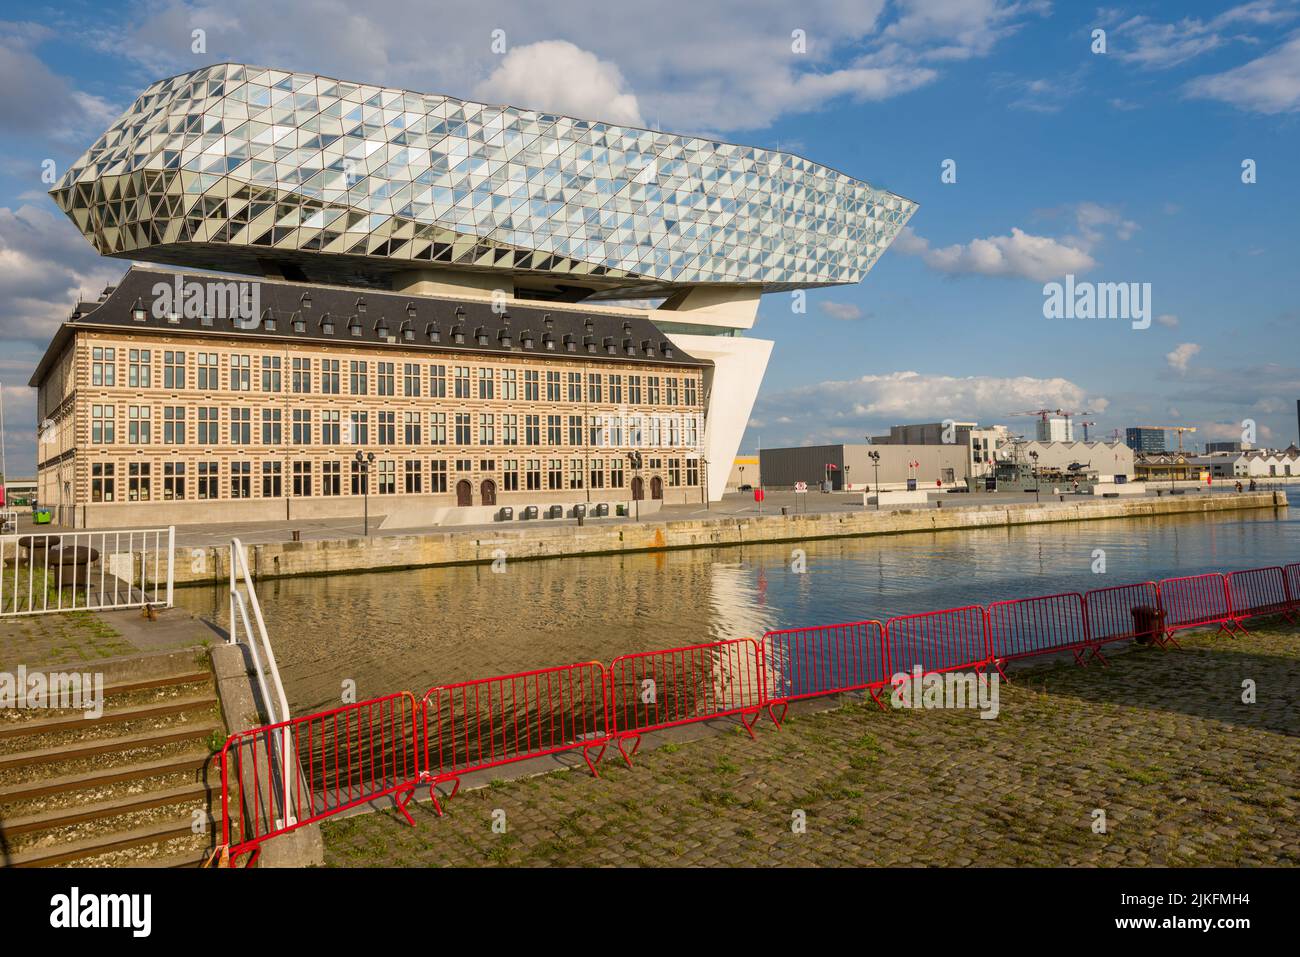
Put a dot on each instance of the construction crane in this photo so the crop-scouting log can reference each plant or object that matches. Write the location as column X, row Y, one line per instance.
column 1180, row 429
column 1085, row 429
column 1045, row 414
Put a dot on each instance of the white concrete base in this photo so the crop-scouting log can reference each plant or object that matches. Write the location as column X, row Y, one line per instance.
column 1125, row 488
column 887, row 497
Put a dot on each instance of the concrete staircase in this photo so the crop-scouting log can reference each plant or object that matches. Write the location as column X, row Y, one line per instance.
column 124, row 789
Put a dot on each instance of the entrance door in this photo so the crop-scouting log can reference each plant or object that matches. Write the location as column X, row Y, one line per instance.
column 656, row 487
column 638, row 488
column 488, row 492
column 464, row 493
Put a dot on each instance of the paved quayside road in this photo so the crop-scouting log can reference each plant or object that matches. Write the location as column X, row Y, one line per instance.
column 1185, row 772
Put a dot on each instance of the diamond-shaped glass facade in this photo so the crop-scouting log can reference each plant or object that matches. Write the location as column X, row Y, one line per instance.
column 236, row 166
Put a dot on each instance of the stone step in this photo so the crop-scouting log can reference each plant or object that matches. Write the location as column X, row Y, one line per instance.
column 77, row 721
column 88, row 848
column 130, row 742
column 63, row 817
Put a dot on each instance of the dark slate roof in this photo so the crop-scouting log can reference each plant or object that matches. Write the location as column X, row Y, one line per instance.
column 384, row 319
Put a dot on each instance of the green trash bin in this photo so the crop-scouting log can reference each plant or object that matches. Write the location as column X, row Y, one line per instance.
column 42, row 516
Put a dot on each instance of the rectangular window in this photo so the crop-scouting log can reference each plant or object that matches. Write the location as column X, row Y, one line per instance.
column 208, row 487
column 174, row 424
column 552, row 387
column 438, row 477
column 173, row 370
column 689, row 387
column 101, row 481
column 575, row 473
column 413, row 476
column 411, row 380
column 271, row 474
column 531, row 393
column 595, row 431
column 271, row 427
column 463, row 436
column 173, row 481
column 674, row 473
column 385, row 374
column 270, row 373
column 615, row 473
column 555, row 474
column 487, row 434
column 616, row 389
column 411, row 428
column 331, row 478
column 103, row 368
column 510, row 475
column 461, row 374
column 387, row 428
column 241, row 427
column 329, row 376
column 652, row 388
column 486, row 384
column 595, row 392
column 437, row 382
column 554, row 431
column 510, row 430
column 360, row 480
column 138, row 369
column 241, row 479
column 358, row 383
column 359, row 428
column 209, row 372
column 302, row 479
column 103, row 424
column 692, row 471
column 240, row 373
column 509, row 385
column 634, row 390
column 671, row 382
column 532, row 430
column 575, row 386
column 329, row 427
column 301, row 381
column 575, row 430
column 302, row 426
column 138, row 420
column 533, row 474
column 437, row 428
column 597, row 473
column 138, row 482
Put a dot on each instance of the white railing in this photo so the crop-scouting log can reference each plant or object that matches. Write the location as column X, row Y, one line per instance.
column 252, row 631
column 47, row 572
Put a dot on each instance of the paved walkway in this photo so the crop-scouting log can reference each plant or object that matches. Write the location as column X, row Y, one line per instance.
column 1185, row 772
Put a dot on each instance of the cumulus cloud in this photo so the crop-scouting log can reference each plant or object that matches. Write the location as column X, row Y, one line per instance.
column 556, row 76
column 1269, row 84
column 1021, row 255
column 846, row 410
column 1155, row 45
column 1181, row 356
column 1168, row 320
column 38, row 101
column 844, row 311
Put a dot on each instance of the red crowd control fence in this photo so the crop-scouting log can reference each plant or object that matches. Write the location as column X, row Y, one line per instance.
column 1024, row 627
column 488, row 722
column 1293, row 583
column 662, row 689
column 1193, row 602
column 1110, row 614
column 1257, row 592
column 280, row 777
column 934, row 641
column 807, row 662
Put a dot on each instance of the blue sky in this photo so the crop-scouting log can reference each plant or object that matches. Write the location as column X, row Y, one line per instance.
column 1117, row 166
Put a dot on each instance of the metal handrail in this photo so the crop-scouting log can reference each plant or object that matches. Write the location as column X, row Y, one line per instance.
column 240, row 601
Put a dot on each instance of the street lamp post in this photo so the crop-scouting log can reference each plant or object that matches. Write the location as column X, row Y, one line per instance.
column 1034, row 456
column 704, row 463
column 363, row 463
column 875, row 462
column 634, row 458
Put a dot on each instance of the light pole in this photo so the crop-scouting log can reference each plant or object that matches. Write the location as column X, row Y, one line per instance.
column 635, row 459
column 363, row 464
column 1034, row 456
column 848, row 486
column 705, row 464
column 875, row 462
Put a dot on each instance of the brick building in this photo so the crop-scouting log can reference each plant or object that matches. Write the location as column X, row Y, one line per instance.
column 152, row 409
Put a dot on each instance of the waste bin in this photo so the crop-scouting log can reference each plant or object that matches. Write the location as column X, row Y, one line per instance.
column 42, row 516
column 911, row 485
column 506, row 513
column 555, row 511
column 580, row 510
column 1148, row 623
column 530, row 511
column 602, row 510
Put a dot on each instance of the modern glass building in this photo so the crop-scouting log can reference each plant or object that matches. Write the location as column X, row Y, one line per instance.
column 310, row 180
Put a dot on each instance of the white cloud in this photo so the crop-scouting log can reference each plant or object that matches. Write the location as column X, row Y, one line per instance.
column 1269, row 84
column 556, row 76
column 1181, row 356
column 846, row 410
column 38, row 101
column 1020, row 255
column 1156, row 46
column 844, row 311
column 1168, row 320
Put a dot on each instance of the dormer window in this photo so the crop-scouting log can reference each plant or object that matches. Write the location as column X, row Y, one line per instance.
column 433, row 332
column 666, row 349
column 410, row 311
column 458, row 335
column 609, row 346
column 327, row 325
column 627, row 328
column 299, row 324
column 138, row 312
column 569, row 344
column 589, row 343
column 268, row 321
column 504, row 340
column 361, row 307
column 354, row 326
column 305, row 301
column 549, row 322
column 628, row 347
column 381, row 328
column 407, row 333
column 204, row 320
column 526, row 338
column 645, row 347
column 548, row 341
column 589, row 325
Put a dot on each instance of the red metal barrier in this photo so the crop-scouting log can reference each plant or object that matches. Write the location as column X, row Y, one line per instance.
column 1257, row 592
column 299, row 771
column 662, row 689
column 1024, row 627
column 485, row 723
column 1193, row 602
column 1110, row 613
column 1293, row 583
column 949, row 640
column 807, row 662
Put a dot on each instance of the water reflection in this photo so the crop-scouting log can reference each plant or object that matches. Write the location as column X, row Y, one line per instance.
column 413, row 629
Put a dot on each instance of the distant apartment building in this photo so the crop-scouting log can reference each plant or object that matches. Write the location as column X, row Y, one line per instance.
column 1145, row 441
column 332, row 393
column 981, row 444
column 1059, row 428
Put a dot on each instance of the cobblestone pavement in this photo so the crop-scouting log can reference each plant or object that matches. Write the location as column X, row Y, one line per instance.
column 1186, row 773
column 62, row 638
